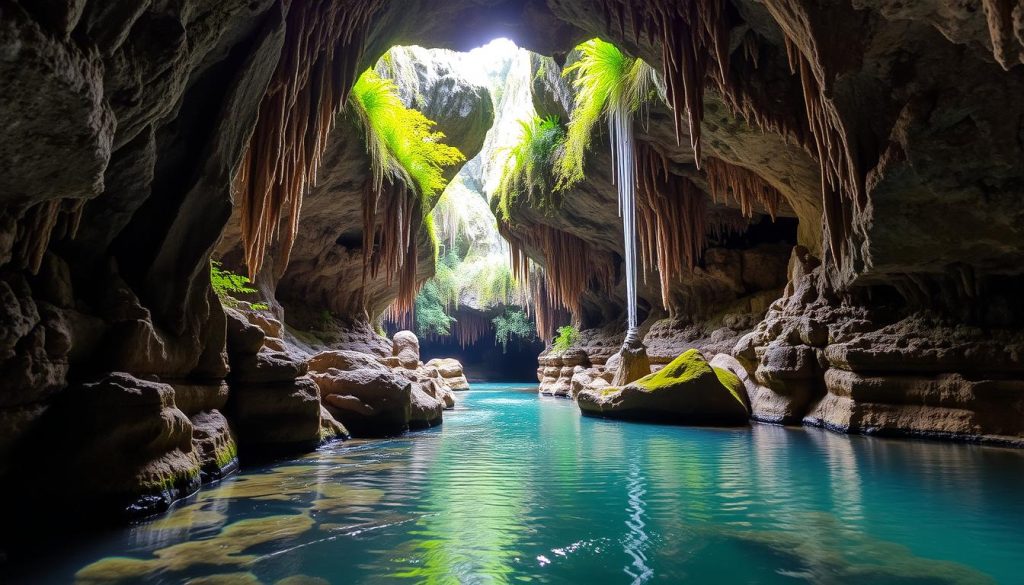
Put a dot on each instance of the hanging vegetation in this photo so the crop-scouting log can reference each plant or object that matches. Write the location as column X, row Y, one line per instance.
column 513, row 324
column 407, row 159
column 671, row 223
column 607, row 81
column 324, row 41
column 529, row 169
column 745, row 187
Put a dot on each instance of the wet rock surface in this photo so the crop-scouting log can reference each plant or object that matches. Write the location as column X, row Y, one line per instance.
column 127, row 121
column 687, row 391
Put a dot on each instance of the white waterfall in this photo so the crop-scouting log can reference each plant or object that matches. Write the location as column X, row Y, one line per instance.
column 620, row 126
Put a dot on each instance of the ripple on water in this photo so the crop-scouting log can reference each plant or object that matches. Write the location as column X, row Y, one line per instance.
column 517, row 489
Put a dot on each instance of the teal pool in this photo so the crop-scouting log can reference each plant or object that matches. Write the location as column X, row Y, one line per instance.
column 519, row 489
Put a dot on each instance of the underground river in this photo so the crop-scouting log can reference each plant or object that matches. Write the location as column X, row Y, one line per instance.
column 516, row 488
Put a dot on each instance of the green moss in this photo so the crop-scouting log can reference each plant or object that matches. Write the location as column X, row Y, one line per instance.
column 566, row 338
column 226, row 454
column 687, row 367
column 731, row 381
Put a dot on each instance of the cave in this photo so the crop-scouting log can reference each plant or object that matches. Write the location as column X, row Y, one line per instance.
column 346, row 291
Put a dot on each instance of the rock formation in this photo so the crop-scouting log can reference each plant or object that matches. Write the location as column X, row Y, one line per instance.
column 890, row 131
column 375, row 396
column 686, row 391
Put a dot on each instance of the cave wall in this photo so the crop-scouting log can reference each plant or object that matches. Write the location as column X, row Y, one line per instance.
column 131, row 119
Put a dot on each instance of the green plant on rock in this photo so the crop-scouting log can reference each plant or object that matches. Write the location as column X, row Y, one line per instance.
column 607, row 80
column 566, row 338
column 436, row 298
column 227, row 285
column 401, row 141
column 512, row 324
column 529, row 168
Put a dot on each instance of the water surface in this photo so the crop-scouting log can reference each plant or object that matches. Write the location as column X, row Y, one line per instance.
column 519, row 489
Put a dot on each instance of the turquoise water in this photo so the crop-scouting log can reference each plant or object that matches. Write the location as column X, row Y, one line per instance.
column 519, row 489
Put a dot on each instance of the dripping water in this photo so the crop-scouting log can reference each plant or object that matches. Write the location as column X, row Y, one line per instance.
column 620, row 125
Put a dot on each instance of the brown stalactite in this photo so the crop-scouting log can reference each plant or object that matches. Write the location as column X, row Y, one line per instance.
column 324, row 41
column 571, row 265
column 45, row 222
column 745, row 187
column 392, row 219
column 671, row 226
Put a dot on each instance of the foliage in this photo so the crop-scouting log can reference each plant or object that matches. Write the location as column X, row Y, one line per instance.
column 607, row 80
column 436, row 298
column 566, row 338
column 514, row 323
column 401, row 142
column 227, row 285
column 529, row 168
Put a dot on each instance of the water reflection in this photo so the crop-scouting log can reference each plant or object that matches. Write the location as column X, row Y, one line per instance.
column 636, row 541
column 514, row 489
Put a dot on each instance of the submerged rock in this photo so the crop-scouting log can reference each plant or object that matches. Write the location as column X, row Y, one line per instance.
column 687, row 391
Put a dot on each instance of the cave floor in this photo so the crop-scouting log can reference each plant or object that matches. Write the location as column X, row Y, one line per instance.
column 513, row 487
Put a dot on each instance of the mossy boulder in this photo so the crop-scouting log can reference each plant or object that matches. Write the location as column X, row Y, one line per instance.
column 687, row 391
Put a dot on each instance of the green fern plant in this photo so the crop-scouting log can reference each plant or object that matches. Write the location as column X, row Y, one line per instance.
column 529, row 168
column 401, row 141
column 512, row 324
column 566, row 338
column 607, row 80
column 226, row 285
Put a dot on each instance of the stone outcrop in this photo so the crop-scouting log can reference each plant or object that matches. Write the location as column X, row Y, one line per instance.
column 133, row 448
column 274, row 405
column 687, row 391
column 451, row 371
column 375, row 396
column 126, row 123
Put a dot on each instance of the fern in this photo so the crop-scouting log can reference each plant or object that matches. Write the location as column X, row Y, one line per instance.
column 606, row 80
column 226, row 285
column 566, row 338
column 529, row 168
column 401, row 142
column 513, row 323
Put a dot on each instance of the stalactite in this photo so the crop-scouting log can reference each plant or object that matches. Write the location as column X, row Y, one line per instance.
column 1005, row 19
column 43, row 223
column 392, row 219
column 841, row 178
column 671, row 219
column 470, row 328
column 744, row 186
column 571, row 266
column 324, row 41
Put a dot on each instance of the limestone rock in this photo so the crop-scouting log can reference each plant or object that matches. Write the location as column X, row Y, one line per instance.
column 451, row 370
column 425, row 411
column 369, row 401
column 687, row 391
column 214, row 444
column 406, row 347
column 272, row 418
column 943, row 406
column 133, row 448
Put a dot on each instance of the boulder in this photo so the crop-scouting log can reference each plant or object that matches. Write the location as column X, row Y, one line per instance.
column 275, row 418
column 132, row 449
column 687, row 391
column 406, row 347
column 370, row 402
column 425, row 411
column 451, row 370
column 214, row 444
